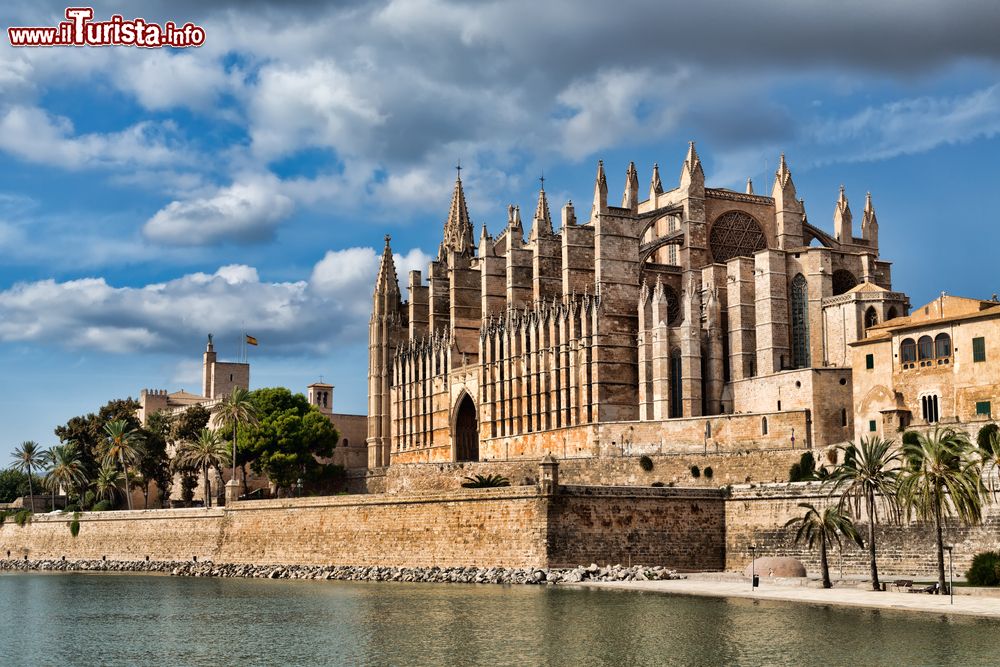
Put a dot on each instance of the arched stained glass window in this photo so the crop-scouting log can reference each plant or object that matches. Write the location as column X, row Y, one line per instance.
column 800, row 322
column 735, row 234
column 676, row 409
column 843, row 281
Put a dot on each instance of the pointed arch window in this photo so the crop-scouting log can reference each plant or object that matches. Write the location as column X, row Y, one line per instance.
column 675, row 384
column 871, row 317
column 800, row 322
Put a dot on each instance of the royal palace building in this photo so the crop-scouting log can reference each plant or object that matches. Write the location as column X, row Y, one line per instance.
column 687, row 319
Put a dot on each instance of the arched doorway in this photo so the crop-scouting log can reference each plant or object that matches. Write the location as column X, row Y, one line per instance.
column 466, row 434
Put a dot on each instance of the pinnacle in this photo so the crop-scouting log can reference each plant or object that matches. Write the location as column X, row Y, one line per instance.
column 655, row 185
column 458, row 227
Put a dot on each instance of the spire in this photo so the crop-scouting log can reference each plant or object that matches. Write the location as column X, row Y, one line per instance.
column 458, row 227
column 783, row 185
column 386, row 281
column 600, row 192
column 749, row 186
column 869, row 223
column 655, row 185
column 542, row 223
column 568, row 215
column 692, row 173
column 842, row 219
column 630, row 198
column 485, row 243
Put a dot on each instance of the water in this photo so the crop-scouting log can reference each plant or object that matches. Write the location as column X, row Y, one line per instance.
column 80, row 619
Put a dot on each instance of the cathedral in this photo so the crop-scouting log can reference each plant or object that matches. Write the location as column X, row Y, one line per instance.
column 691, row 319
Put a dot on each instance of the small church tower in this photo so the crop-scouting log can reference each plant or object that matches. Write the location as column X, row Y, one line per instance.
column 384, row 334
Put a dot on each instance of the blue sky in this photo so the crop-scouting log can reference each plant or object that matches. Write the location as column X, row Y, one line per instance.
column 148, row 197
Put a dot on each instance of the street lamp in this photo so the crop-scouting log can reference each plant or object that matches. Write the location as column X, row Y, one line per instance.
column 753, row 566
column 298, row 484
column 951, row 573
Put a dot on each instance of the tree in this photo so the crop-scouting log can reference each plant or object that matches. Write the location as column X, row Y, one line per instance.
column 122, row 447
column 188, row 424
column 87, row 431
column 289, row 437
column 109, row 481
column 28, row 456
column 988, row 442
column 869, row 469
column 825, row 527
column 237, row 410
column 208, row 451
column 13, row 485
column 65, row 469
column 942, row 478
column 154, row 463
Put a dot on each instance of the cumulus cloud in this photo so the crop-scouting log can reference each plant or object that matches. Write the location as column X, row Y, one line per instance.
column 294, row 317
column 243, row 212
column 34, row 135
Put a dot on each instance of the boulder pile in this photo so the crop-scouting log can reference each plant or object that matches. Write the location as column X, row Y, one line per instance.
column 461, row 575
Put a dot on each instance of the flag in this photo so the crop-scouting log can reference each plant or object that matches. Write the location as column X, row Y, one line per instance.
column 251, row 340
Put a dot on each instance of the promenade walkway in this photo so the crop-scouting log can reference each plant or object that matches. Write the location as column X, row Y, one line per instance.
column 848, row 597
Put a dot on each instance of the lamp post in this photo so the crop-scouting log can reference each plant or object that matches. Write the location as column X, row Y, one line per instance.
column 753, row 566
column 951, row 573
column 298, row 484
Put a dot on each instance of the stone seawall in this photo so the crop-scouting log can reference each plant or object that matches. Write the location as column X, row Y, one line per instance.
column 513, row 527
column 905, row 550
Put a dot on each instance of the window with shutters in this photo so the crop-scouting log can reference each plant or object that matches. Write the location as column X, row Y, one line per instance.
column 869, row 361
column 979, row 349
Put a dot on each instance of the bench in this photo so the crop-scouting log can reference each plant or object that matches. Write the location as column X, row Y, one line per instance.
column 903, row 585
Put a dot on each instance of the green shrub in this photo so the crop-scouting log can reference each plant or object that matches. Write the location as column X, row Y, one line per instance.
column 804, row 470
column 985, row 569
column 911, row 438
column 695, row 472
column 985, row 437
column 72, row 508
column 657, row 484
column 795, row 473
column 645, row 463
column 102, row 506
column 22, row 517
column 74, row 525
column 485, row 482
column 709, row 472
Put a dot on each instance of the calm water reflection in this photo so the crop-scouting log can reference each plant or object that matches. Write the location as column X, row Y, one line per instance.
column 145, row 620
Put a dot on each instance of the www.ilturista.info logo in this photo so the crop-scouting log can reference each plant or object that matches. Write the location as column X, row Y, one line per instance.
column 81, row 30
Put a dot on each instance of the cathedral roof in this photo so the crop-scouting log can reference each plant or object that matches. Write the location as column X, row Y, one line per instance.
column 866, row 287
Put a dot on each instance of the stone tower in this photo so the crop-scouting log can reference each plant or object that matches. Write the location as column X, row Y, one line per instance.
column 385, row 333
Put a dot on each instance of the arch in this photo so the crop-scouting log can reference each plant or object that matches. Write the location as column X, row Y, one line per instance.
column 871, row 317
column 800, row 322
column 907, row 351
column 763, row 425
column 735, row 234
column 942, row 346
column 843, row 281
column 347, row 443
column 465, row 431
column 892, row 314
column 925, row 348
column 674, row 314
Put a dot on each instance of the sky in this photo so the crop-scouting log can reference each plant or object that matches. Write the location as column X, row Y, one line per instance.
column 151, row 196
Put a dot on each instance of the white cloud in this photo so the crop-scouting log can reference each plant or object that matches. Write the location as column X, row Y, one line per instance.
column 306, row 316
column 161, row 80
column 36, row 136
column 243, row 212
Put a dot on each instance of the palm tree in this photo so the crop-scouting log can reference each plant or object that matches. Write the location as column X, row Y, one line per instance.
column 109, row 480
column 235, row 409
column 28, row 456
column 869, row 468
column 208, row 451
column 122, row 447
column 826, row 527
column 65, row 469
column 942, row 478
column 989, row 453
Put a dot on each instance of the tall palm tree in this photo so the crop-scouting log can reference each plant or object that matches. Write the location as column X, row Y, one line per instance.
column 869, row 468
column 826, row 527
column 121, row 447
column 942, row 477
column 208, row 451
column 235, row 410
column 28, row 456
column 989, row 453
column 109, row 481
column 65, row 469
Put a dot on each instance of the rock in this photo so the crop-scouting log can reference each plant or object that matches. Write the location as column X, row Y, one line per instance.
column 776, row 566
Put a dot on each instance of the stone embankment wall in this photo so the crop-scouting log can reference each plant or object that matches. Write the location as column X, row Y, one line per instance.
column 507, row 527
column 905, row 548
column 620, row 470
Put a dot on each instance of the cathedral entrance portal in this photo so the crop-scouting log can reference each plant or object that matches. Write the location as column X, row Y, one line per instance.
column 466, row 435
